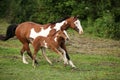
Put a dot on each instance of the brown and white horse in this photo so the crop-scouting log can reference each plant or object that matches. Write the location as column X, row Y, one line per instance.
column 28, row 31
column 52, row 42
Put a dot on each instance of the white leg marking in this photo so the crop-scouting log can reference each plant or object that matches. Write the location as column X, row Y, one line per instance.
column 65, row 59
column 71, row 63
column 24, row 60
column 64, row 55
column 33, row 64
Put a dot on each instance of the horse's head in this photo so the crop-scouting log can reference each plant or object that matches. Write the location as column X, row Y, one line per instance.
column 74, row 23
column 63, row 34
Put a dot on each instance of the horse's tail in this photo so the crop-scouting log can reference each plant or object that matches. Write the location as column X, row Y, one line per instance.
column 10, row 31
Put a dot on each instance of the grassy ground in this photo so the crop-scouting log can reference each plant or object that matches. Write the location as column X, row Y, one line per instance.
column 95, row 58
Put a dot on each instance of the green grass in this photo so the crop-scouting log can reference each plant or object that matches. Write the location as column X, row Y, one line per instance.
column 93, row 61
column 89, row 67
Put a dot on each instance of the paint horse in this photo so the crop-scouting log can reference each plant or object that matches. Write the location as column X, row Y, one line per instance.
column 52, row 42
column 27, row 30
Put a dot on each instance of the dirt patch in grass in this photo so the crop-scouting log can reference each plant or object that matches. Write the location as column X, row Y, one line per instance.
column 88, row 45
column 2, row 37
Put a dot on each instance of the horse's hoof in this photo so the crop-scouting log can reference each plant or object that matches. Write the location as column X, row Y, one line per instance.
column 65, row 65
column 36, row 62
column 25, row 62
column 34, row 66
column 74, row 67
column 50, row 63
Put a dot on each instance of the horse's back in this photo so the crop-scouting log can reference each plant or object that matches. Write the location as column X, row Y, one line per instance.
column 23, row 30
column 28, row 25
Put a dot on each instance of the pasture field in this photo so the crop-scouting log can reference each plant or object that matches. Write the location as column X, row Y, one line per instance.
column 95, row 59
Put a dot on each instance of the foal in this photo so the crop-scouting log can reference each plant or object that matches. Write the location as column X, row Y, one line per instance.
column 53, row 43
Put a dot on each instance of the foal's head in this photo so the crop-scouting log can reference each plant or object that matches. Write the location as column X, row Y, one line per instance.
column 62, row 34
column 74, row 23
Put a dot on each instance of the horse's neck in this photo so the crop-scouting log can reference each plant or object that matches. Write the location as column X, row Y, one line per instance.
column 65, row 26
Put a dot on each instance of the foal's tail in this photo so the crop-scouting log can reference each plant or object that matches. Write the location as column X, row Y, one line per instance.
column 10, row 31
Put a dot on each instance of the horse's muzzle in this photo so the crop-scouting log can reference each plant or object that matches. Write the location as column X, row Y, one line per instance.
column 80, row 32
column 67, row 39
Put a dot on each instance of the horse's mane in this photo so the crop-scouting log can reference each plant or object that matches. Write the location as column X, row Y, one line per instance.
column 60, row 20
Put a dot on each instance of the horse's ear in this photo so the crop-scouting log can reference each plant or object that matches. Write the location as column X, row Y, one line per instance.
column 77, row 16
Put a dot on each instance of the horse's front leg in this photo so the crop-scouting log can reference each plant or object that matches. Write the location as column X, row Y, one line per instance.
column 66, row 56
column 44, row 54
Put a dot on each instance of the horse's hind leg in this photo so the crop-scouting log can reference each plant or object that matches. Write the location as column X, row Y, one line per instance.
column 26, row 48
column 23, row 56
column 29, row 52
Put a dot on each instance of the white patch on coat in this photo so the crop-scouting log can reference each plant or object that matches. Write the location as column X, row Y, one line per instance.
column 45, row 44
column 43, row 32
column 55, row 39
column 56, row 36
column 59, row 25
column 78, row 25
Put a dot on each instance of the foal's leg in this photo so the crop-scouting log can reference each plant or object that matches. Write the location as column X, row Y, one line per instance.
column 64, row 50
column 44, row 54
column 29, row 52
column 67, row 58
column 57, row 51
column 34, row 57
column 64, row 56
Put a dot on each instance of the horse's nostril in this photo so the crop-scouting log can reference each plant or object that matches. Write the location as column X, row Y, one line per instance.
column 67, row 39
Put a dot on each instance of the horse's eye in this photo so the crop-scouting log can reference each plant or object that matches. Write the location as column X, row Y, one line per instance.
column 76, row 23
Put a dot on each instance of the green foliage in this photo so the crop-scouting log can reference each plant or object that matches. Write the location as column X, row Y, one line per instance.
column 99, row 17
column 103, row 25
